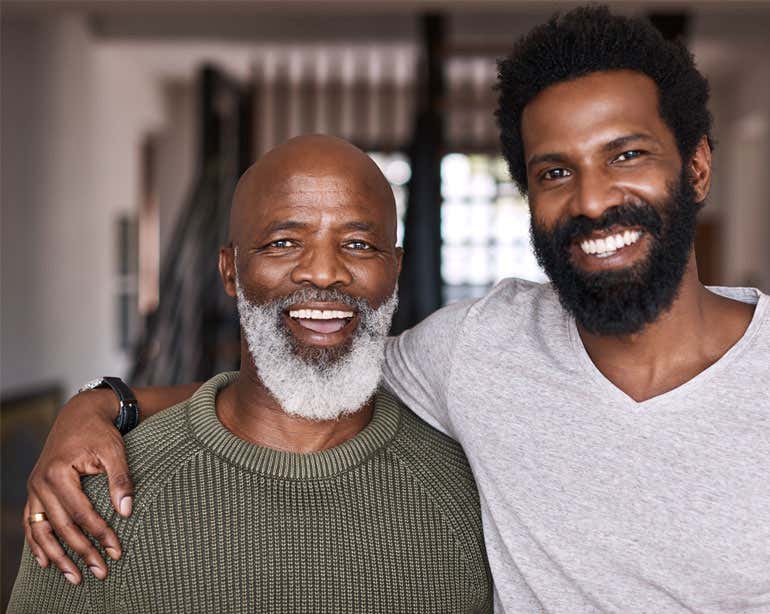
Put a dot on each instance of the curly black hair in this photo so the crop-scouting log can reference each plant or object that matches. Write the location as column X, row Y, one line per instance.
column 591, row 39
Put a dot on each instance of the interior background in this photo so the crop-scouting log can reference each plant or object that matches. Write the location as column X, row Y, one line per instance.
column 102, row 132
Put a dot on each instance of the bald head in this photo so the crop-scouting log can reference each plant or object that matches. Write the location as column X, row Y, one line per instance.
column 313, row 212
column 301, row 169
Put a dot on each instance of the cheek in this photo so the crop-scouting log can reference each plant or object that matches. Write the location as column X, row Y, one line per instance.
column 375, row 280
column 264, row 277
column 651, row 181
column 548, row 207
column 646, row 181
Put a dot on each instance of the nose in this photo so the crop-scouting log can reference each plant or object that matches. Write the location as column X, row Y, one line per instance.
column 323, row 266
column 596, row 192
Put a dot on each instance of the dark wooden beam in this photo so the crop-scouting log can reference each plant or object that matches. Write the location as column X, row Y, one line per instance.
column 421, row 284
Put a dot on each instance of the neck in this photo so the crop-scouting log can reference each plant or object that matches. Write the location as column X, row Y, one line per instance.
column 249, row 411
column 693, row 334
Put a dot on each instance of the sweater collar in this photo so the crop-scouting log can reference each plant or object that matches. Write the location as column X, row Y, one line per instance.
column 209, row 430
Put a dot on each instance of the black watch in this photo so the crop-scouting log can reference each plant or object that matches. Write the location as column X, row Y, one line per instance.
column 128, row 416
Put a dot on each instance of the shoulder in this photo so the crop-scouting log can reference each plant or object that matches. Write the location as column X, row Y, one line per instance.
column 758, row 333
column 513, row 297
column 439, row 470
column 155, row 451
column 515, row 312
column 509, row 300
column 436, row 461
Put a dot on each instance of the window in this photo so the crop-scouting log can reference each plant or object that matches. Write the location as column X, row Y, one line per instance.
column 395, row 166
column 484, row 227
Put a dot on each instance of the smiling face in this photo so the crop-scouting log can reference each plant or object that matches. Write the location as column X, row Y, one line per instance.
column 322, row 231
column 613, row 206
column 315, row 213
column 315, row 267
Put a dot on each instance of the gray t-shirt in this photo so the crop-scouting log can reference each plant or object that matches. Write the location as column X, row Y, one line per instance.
column 592, row 501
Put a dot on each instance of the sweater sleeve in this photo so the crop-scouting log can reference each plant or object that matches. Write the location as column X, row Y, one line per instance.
column 38, row 590
column 419, row 362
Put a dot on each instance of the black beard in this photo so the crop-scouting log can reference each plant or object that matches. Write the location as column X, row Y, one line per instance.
column 624, row 301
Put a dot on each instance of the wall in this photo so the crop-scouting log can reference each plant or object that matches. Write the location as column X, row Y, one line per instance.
column 54, row 326
column 74, row 112
column 733, row 49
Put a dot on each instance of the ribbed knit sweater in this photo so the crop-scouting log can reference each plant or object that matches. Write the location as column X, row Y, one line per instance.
column 386, row 522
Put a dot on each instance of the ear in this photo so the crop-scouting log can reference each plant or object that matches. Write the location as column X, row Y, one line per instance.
column 227, row 266
column 399, row 259
column 700, row 170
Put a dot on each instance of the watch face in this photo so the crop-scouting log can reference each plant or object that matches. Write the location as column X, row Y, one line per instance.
column 94, row 383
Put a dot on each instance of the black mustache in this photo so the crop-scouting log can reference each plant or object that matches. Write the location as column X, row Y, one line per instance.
column 642, row 215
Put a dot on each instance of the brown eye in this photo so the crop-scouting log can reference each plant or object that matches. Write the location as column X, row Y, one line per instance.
column 556, row 173
column 282, row 243
column 358, row 245
column 628, row 155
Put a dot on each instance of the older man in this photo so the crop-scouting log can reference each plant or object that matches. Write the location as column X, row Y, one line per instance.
column 293, row 485
column 617, row 419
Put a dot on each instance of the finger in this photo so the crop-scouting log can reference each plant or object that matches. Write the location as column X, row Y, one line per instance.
column 34, row 547
column 120, row 482
column 83, row 514
column 45, row 538
column 60, row 522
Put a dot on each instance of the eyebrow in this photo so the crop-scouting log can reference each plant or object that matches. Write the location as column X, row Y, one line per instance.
column 362, row 226
column 295, row 225
column 622, row 141
column 284, row 225
column 559, row 158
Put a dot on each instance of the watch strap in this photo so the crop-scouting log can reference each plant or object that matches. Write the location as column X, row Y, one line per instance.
column 128, row 414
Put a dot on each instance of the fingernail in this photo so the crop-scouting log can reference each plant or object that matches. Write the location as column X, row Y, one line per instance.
column 71, row 578
column 125, row 506
column 39, row 561
column 112, row 553
column 97, row 571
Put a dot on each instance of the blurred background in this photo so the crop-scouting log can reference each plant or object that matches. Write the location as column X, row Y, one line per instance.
column 126, row 124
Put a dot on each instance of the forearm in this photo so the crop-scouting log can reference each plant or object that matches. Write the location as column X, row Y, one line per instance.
column 151, row 399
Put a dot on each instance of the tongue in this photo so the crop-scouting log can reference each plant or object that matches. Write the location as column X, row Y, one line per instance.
column 323, row 326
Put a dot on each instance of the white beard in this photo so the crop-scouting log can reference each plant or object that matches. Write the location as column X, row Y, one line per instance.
column 322, row 390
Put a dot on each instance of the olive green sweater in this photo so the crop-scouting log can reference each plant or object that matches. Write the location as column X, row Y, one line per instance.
column 387, row 522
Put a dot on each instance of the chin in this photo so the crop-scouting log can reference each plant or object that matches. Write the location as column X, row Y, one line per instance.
column 321, row 356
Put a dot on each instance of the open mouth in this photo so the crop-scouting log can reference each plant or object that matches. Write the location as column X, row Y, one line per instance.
column 604, row 247
column 324, row 321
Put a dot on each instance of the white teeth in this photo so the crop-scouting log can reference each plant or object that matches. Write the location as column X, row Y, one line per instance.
column 601, row 245
column 609, row 245
column 320, row 314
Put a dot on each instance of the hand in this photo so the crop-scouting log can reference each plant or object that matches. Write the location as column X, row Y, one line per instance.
column 82, row 441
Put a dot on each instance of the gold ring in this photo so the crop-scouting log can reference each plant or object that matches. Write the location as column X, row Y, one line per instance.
column 39, row 517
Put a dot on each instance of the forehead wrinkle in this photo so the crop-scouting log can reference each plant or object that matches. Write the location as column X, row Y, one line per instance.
column 325, row 183
column 284, row 170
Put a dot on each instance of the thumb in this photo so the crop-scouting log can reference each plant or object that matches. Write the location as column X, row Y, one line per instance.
column 120, row 483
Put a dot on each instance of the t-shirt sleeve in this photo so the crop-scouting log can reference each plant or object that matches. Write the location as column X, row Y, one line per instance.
column 46, row 590
column 419, row 362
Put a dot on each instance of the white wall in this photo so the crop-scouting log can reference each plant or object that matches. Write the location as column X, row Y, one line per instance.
column 54, row 326
column 746, row 210
column 74, row 112
column 733, row 48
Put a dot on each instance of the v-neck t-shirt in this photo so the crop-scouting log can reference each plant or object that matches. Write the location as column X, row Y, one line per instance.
column 591, row 501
